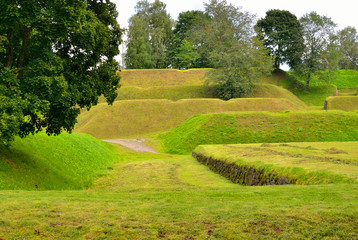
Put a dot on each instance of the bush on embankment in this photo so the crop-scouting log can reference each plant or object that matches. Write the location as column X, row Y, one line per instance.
column 67, row 161
column 261, row 127
column 345, row 103
column 134, row 117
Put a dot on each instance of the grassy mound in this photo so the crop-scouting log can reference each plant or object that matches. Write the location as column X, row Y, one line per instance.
column 263, row 127
column 347, row 79
column 345, row 103
column 316, row 95
column 67, row 161
column 162, row 77
column 133, row 117
column 272, row 164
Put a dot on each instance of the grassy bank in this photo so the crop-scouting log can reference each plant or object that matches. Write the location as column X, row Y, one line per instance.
column 67, row 161
column 347, row 79
column 133, row 117
column 298, row 163
column 263, row 127
column 345, row 103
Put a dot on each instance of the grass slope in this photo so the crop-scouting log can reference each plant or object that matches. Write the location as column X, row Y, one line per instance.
column 316, row 95
column 306, row 163
column 263, row 127
column 162, row 77
column 345, row 103
column 67, row 161
column 157, row 196
column 347, row 79
column 133, row 117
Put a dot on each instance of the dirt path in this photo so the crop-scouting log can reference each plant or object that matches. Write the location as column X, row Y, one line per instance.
column 137, row 145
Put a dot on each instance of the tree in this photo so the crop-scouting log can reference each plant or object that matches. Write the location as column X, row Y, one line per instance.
column 55, row 58
column 282, row 35
column 184, row 53
column 320, row 56
column 348, row 47
column 150, row 26
column 238, row 58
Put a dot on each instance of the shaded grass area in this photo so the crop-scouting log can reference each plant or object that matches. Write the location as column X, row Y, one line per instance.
column 67, row 161
column 162, row 77
column 133, row 117
column 316, row 95
column 263, row 127
column 301, row 163
column 345, row 103
column 347, row 79
column 174, row 197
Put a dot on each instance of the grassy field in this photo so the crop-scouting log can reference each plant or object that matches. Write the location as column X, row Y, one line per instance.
column 261, row 127
column 67, row 161
column 134, row 117
column 304, row 163
column 159, row 196
column 345, row 103
column 347, row 79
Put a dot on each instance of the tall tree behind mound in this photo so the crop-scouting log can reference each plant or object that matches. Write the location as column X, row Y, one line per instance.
column 282, row 34
column 149, row 36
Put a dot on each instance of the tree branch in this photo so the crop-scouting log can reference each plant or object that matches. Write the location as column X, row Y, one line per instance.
column 25, row 41
column 10, row 58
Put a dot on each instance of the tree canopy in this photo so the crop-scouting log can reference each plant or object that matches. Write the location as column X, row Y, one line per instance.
column 239, row 59
column 282, row 35
column 320, row 56
column 348, row 47
column 149, row 36
column 55, row 58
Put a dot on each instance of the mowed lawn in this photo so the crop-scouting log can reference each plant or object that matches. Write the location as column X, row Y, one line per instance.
column 162, row 196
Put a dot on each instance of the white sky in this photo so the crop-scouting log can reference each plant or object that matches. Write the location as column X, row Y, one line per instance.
column 342, row 12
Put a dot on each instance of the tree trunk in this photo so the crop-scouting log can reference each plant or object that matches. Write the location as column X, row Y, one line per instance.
column 25, row 41
column 10, row 58
column 308, row 80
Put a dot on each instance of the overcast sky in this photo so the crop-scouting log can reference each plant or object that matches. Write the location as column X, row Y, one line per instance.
column 343, row 12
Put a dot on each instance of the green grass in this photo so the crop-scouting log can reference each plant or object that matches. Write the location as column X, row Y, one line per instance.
column 261, row 127
column 158, row 196
column 315, row 96
column 67, row 161
column 347, row 79
column 135, row 117
column 345, row 103
column 162, row 77
column 305, row 163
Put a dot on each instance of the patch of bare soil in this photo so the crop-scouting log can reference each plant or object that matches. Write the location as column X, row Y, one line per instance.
column 137, row 145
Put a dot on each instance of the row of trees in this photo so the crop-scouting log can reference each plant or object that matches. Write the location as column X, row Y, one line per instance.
column 308, row 45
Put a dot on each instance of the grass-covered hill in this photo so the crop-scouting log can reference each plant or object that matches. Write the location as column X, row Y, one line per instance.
column 67, row 161
column 345, row 103
column 347, row 79
column 162, row 77
column 261, row 127
column 134, row 117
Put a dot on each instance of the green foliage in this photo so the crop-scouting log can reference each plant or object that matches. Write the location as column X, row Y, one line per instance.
column 321, row 55
column 264, row 127
column 183, row 52
column 282, row 34
column 59, row 58
column 238, row 58
column 68, row 161
column 149, row 36
column 348, row 47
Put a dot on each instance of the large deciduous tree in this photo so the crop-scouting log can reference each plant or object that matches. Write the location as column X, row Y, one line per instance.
column 282, row 34
column 55, row 58
column 320, row 57
column 348, row 47
column 149, row 36
column 239, row 59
